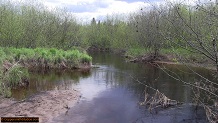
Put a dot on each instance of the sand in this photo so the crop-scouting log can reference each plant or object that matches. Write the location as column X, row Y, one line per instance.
column 46, row 105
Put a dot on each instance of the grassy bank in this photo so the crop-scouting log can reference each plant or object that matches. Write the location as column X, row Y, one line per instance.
column 14, row 64
column 177, row 55
column 46, row 58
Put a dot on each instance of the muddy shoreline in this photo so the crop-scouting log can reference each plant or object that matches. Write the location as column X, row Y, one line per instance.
column 45, row 105
column 167, row 59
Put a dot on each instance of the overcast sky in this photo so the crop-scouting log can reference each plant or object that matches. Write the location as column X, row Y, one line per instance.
column 87, row 9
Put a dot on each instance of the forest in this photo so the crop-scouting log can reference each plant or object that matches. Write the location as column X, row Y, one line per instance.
column 32, row 34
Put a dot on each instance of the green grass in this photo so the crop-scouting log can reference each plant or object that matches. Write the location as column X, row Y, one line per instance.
column 51, row 56
column 14, row 63
column 12, row 78
column 179, row 51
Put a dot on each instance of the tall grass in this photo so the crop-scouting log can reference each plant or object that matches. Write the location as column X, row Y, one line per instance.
column 14, row 63
column 47, row 56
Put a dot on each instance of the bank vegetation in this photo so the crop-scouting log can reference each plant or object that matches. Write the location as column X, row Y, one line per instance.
column 15, row 63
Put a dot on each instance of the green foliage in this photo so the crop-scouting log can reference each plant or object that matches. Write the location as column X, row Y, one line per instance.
column 31, row 24
column 16, row 59
column 134, row 52
column 2, row 56
column 5, row 91
column 15, row 75
column 109, row 34
column 85, row 58
column 12, row 78
column 50, row 54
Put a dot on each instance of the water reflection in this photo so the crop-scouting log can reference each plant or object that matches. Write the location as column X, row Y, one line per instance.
column 113, row 94
column 52, row 80
column 110, row 93
column 112, row 106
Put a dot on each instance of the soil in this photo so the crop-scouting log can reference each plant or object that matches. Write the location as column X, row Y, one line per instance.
column 45, row 105
column 168, row 59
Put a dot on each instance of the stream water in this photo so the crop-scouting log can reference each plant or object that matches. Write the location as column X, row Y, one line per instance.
column 111, row 94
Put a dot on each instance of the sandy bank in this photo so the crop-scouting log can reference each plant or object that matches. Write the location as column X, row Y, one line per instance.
column 46, row 105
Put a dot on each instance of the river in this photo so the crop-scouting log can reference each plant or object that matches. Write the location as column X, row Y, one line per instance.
column 111, row 93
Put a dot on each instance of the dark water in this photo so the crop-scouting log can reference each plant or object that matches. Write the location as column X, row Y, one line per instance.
column 110, row 92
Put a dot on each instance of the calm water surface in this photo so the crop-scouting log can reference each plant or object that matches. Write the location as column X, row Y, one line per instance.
column 110, row 92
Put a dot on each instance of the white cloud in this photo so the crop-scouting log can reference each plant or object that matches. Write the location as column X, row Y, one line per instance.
column 87, row 9
column 122, row 7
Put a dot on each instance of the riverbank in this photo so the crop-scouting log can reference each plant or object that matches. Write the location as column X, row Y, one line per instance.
column 45, row 58
column 15, row 64
column 45, row 105
column 166, row 56
column 169, row 56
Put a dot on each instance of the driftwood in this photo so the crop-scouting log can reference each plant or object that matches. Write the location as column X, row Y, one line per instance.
column 158, row 100
column 211, row 113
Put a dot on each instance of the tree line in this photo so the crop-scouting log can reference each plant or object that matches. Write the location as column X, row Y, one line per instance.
column 32, row 25
column 170, row 26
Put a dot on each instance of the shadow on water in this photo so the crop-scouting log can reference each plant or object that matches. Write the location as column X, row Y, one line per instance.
column 49, row 80
column 111, row 95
